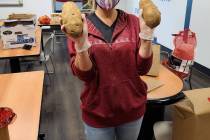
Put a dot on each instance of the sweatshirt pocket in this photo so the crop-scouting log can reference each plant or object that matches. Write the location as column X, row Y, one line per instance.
column 110, row 100
column 142, row 86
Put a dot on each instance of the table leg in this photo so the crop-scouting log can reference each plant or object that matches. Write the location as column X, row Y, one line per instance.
column 153, row 114
column 41, row 137
column 14, row 65
column 42, row 41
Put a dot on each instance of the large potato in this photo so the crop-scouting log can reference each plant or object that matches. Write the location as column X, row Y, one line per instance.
column 151, row 14
column 142, row 3
column 71, row 19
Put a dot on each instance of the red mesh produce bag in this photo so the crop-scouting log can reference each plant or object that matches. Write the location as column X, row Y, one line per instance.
column 7, row 116
column 185, row 43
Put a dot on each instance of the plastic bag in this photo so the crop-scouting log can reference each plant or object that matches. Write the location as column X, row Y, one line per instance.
column 185, row 43
column 7, row 116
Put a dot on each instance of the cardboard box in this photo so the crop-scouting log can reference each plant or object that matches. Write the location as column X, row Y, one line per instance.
column 155, row 69
column 18, row 36
column 55, row 18
column 25, row 19
column 21, row 16
column 191, row 118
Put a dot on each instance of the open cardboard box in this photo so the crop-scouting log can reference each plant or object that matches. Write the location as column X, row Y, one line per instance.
column 191, row 118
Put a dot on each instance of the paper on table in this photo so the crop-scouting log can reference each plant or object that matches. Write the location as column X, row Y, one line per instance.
column 153, row 84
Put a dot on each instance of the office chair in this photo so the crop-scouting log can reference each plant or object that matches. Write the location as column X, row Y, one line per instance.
column 45, row 56
column 170, row 62
column 180, row 61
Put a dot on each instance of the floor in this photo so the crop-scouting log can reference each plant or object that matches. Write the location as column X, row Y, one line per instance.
column 60, row 114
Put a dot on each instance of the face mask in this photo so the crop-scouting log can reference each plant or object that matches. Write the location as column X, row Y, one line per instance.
column 107, row 4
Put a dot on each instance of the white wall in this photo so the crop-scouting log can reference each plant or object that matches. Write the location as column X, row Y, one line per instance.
column 121, row 5
column 200, row 22
column 173, row 17
column 38, row 7
column 132, row 6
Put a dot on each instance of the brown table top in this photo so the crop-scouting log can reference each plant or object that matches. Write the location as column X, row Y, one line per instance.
column 22, row 92
column 172, row 84
column 19, row 52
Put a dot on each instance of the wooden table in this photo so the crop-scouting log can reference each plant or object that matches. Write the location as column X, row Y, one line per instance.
column 14, row 54
column 168, row 93
column 22, row 92
column 172, row 85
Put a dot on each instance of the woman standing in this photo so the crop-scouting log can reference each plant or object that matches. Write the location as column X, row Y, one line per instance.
column 113, row 51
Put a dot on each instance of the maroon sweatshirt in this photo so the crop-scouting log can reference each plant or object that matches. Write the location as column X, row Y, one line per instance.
column 114, row 93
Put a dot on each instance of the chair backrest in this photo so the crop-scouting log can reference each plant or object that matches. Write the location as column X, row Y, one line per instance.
column 182, row 57
column 49, row 45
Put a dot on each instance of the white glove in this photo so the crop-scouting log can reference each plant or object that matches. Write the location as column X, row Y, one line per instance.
column 146, row 33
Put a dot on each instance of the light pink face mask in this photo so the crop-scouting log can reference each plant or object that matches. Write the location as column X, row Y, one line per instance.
column 107, row 4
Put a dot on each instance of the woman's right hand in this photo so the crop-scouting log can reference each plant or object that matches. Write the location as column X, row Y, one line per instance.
column 81, row 43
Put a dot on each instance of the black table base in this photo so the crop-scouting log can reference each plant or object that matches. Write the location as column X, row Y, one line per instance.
column 153, row 114
column 14, row 65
